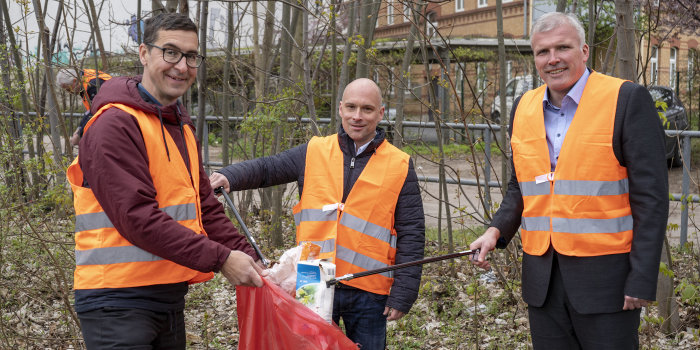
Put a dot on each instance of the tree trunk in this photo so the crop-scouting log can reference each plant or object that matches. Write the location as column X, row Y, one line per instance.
column 561, row 7
column 98, row 35
column 202, row 73
column 263, row 61
column 368, row 20
column 592, row 19
column 344, row 71
column 286, row 38
column 405, row 76
column 157, row 7
column 52, row 105
column 334, row 67
column 226, row 90
column 17, row 58
column 15, row 183
column 502, row 136
column 627, row 66
column 308, row 92
column 668, row 308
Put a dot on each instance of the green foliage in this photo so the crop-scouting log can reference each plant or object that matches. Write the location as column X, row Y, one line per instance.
column 262, row 121
column 688, row 291
column 451, row 150
column 663, row 268
column 663, row 105
column 469, row 54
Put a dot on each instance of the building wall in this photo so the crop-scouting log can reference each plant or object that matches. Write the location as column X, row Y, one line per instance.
column 472, row 21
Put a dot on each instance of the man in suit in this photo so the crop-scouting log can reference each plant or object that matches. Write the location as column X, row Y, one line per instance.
column 590, row 193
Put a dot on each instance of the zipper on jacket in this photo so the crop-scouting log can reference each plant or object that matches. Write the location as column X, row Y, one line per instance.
column 352, row 163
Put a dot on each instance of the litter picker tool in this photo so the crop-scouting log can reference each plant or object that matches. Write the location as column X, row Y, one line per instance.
column 474, row 253
column 221, row 190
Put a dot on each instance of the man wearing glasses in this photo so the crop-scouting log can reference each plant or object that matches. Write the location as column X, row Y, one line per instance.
column 147, row 222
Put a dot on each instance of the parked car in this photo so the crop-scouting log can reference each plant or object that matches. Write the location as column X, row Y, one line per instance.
column 676, row 119
column 514, row 88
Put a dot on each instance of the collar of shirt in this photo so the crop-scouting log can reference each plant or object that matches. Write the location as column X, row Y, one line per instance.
column 361, row 149
column 148, row 97
column 574, row 95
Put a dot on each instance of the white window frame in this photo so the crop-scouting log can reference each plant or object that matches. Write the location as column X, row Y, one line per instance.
column 406, row 12
column 409, row 86
column 389, row 12
column 692, row 55
column 481, row 76
column 459, row 79
column 459, row 5
column 654, row 65
column 431, row 25
column 672, row 65
column 482, row 3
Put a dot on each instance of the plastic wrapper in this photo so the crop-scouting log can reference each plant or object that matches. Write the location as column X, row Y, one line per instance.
column 312, row 290
column 284, row 273
column 271, row 319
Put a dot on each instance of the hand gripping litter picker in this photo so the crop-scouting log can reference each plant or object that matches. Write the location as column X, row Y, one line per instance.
column 474, row 253
column 221, row 190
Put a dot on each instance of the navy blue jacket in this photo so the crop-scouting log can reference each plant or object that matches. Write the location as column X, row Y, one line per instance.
column 409, row 222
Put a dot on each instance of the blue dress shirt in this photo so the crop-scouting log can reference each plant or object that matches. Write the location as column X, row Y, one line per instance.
column 558, row 119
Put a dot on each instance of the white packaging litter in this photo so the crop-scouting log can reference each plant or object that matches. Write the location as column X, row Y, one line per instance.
column 311, row 286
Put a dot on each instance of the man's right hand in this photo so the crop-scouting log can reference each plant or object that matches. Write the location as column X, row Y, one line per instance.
column 75, row 138
column 241, row 270
column 217, row 180
column 486, row 243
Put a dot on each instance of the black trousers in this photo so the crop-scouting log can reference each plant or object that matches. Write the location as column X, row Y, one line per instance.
column 556, row 325
column 119, row 328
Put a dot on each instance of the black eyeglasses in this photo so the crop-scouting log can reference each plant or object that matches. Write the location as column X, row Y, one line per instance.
column 174, row 56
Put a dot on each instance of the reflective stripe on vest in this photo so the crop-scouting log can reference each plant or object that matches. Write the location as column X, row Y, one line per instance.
column 582, row 208
column 104, row 258
column 357, row 235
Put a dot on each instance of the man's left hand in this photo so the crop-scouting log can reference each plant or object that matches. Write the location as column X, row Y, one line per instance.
column 392, row 314
column 632, row 303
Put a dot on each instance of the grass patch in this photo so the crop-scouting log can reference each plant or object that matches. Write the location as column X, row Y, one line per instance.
column 451, row 150
column 460, row 237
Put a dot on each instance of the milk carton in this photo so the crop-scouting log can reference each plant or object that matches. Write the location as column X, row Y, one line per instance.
column 311, row 286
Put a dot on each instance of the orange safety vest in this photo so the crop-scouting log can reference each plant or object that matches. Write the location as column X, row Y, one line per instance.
column 357, row 235
column 583, row 206
column 103, row 257
column 89, row 74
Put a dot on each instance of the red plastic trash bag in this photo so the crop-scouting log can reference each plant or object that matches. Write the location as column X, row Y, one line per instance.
column 269, row 319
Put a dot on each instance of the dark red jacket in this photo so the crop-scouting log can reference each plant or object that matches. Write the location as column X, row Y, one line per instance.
column 115, row 165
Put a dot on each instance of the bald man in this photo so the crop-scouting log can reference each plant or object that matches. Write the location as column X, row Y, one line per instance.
column 362, row 205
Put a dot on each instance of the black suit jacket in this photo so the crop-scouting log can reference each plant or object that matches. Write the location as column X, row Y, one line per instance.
column 599, row 284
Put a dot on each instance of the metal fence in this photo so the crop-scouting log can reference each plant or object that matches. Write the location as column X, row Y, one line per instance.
column 684, row 197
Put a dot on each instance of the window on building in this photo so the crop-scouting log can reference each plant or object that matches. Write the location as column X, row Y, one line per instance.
column 459, row 5
column 692, row 56
column 409, row 86
column 672, row 67
column 481, row 80
column 389, row 12
column 407, row 12
column 509, row 70
column 459, row 79
column 483, row 3
column 431, row 24
column 654, row 64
